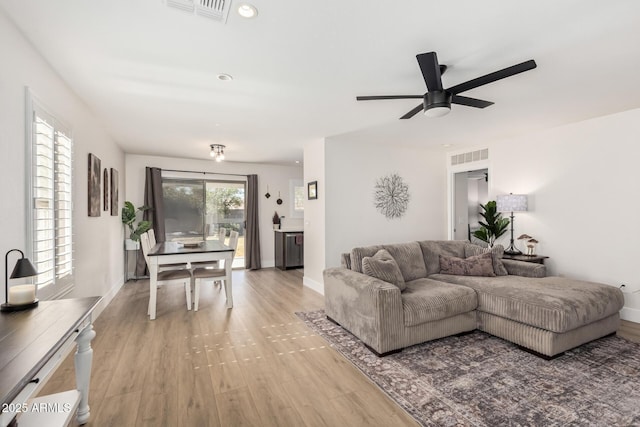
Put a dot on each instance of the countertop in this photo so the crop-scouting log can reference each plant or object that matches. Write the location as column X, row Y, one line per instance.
column 289, row 230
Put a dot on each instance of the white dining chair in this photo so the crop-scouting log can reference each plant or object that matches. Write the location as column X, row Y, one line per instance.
column 215, row 274
column 222, row 234
column 167, row 277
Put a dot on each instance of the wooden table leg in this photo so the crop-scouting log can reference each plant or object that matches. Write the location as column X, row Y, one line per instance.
column 228, row 286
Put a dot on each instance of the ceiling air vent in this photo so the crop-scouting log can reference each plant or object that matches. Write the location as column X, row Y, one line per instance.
column 217, row 10
column 470, row 157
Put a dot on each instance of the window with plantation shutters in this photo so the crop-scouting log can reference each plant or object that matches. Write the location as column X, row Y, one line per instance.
column 52, row 231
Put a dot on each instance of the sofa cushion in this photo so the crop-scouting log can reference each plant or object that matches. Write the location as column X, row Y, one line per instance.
column 382, row 266
column 358, row 253
column 432, row 249
column 557, row 304
column 409, row 259
column 426, row 300
column 496, row 256
column 478, row 265
column 407, row 255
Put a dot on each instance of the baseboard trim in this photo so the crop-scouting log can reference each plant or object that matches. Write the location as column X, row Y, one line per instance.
column 313, row 285
column 630, row 314
column 106, row 299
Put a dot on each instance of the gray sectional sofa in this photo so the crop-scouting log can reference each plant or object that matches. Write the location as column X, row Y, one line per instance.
column 394, row 296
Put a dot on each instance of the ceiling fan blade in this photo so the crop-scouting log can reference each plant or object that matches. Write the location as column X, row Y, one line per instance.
column 428, row 63
column 372, row 98
column 492, row 77
column 470, row 102
column 413, row 112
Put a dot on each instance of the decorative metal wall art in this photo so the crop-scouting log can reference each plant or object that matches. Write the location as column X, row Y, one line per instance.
column 391, row 196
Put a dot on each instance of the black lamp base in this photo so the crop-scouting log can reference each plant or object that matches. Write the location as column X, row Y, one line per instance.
column 6, row 307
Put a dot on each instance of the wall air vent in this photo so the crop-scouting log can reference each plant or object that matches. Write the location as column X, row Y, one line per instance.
column 217, row 10
column 470, row 157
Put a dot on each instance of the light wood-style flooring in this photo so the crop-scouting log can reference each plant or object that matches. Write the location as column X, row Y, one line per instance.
column 254, row 365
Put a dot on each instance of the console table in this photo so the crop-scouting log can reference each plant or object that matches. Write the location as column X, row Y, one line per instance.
column 537, row 259
column 33, row 343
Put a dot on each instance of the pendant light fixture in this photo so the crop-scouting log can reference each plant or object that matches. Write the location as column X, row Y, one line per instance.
column 217, row 152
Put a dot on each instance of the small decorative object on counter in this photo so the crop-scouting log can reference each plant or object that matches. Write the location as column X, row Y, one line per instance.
column 531, row 247
column 524, row 238
column 276, row 221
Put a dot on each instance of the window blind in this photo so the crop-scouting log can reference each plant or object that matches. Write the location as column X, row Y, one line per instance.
column 52, row 245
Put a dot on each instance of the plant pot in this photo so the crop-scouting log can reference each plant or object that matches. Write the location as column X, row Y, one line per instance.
column 131, row 245
column 276, row 226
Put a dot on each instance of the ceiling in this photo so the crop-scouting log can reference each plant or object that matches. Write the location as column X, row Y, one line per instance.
column 148, row 72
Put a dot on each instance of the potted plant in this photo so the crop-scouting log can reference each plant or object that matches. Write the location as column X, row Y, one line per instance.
column 493, row 226
column 276, row 221
column 129, row 216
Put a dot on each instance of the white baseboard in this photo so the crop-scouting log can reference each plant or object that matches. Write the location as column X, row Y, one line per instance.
column 313, row 285
column 630, row 314
column 106, row 299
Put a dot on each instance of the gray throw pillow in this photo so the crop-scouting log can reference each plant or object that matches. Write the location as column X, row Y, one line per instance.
column 478, row 265
column 496, row 256
column 382, row 266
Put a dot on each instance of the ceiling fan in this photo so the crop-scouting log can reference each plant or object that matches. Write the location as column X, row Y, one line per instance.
column 437, row 101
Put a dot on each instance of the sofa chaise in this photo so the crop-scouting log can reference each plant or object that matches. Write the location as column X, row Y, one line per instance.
column 397, row 295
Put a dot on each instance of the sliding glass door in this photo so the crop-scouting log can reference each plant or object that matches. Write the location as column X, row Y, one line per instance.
column 201, row 208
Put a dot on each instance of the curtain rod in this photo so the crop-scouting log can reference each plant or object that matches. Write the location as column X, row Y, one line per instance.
column 204, row 173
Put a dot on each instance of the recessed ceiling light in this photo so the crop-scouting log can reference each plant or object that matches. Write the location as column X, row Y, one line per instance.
column 247, row 10
column 297, row 162
column 225, row 77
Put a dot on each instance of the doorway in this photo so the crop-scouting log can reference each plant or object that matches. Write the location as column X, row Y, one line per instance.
column 202, row 208
column 470, row 189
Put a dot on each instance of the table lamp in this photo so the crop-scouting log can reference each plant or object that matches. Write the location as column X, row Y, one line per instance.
column 512, row 203
column 21, row 297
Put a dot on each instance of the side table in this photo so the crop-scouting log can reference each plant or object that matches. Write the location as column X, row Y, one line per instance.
column 536, row 259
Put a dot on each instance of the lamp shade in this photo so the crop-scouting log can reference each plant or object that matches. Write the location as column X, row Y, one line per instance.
column 23, row 268
column 512, row 203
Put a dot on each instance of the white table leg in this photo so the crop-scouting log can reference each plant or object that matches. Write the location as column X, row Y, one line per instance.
column 83, row 358
column 153, row 287
column 228, row 287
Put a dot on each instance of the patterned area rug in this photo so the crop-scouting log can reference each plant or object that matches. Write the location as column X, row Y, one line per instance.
column 481, row 380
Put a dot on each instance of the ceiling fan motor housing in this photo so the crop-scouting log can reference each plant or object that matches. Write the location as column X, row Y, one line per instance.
column 437, row 103
column 434, row 99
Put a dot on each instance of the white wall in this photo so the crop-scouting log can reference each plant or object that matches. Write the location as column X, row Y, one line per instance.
column 276, row 177
column 351, row 172
column 314, row 217
column 97, row 241
column 584, row 198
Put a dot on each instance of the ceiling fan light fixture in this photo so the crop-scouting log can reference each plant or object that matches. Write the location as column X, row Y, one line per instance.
column 437, row 103
column 437, row 111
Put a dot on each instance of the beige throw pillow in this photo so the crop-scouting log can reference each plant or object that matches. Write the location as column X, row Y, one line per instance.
column 496, row 256
column 479, row 265
column 382, row 266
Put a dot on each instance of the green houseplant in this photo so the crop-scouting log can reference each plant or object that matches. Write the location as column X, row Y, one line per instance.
column 129, row 216
column 493, row 225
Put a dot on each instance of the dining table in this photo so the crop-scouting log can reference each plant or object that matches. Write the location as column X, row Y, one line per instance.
column 176, row 252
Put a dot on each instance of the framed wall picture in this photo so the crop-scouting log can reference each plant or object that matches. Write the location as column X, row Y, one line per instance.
column 94, row 193
column 105, row 190
column 312, row 190
column 114, row 192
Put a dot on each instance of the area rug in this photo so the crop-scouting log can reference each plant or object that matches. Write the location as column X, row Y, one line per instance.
column 481, row 380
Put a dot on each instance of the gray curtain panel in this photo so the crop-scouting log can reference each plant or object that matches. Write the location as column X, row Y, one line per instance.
column 252, row 231
column 153, row 199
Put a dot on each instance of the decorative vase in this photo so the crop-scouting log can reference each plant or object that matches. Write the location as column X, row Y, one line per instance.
column 131, row 245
